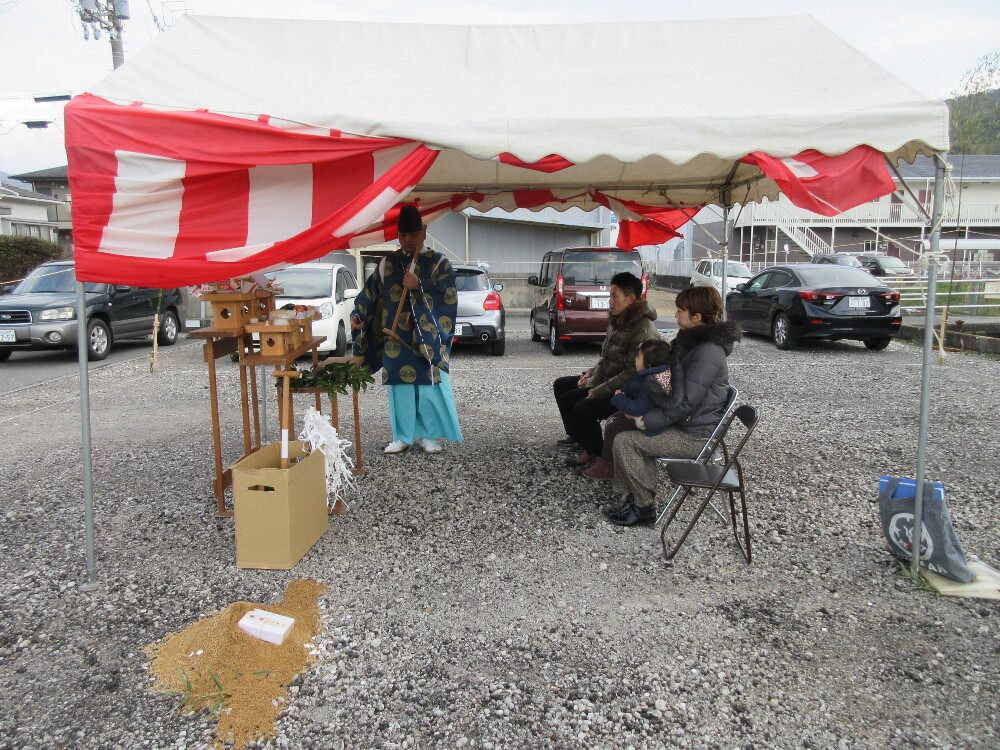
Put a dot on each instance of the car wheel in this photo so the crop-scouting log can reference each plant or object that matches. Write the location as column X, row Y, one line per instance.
column 341, row 341
column 781, row 332
column 497, row 347
column 4, row 355
column 877, row 344
column 555, row 345
column 535, row 336
column 169, row 329
column 98, row 340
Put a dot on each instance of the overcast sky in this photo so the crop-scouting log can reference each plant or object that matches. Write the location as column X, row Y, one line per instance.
column 929, row 45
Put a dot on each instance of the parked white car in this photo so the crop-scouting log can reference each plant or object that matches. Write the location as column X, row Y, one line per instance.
column 331, row 289
column 709, row 273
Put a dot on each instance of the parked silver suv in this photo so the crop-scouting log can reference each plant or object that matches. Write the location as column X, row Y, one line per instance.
column 40, row 313
column 481, row 318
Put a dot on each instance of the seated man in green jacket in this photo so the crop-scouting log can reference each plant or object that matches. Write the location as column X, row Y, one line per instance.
column 585, row 401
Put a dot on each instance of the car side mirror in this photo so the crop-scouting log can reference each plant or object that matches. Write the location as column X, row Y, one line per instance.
column 498, row 287
column 740, row 287
column 351, row 293
column 533, row 280
column 7, row 288
column 123, row 288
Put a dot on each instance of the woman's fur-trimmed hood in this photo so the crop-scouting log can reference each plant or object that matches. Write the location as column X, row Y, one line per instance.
column 724, row 333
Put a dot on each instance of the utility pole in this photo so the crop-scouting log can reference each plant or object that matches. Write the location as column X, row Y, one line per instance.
column 105, row 16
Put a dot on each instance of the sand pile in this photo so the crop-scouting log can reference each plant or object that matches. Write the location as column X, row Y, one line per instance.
column 214, row 665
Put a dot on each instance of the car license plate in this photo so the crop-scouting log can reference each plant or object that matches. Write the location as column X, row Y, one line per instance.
column 459, row 330
column 7, row 336
column 600, row 303
column 858, row 302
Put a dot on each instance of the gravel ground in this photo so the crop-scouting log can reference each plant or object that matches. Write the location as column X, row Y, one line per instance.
column 477, row 599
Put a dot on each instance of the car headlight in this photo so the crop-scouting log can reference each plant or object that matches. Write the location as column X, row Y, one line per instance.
column 325, row 310
column 58, row 313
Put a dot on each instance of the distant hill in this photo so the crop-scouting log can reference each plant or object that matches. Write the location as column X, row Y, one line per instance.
column 975, row 123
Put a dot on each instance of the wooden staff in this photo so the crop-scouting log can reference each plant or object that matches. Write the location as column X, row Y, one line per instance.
column 402, row 301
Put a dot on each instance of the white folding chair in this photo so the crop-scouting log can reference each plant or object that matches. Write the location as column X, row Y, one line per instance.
column 708, row 454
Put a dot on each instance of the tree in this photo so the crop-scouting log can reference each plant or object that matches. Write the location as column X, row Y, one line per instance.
column 975, row 108
column 18, row 255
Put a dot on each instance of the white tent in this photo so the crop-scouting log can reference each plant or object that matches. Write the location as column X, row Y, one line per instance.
column 649, row 111
column 658, row 113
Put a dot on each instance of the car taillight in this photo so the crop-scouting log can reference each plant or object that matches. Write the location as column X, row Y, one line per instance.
column 560, row 294
column 492, row 302
column 821, row 297
column 645, row 285
column 891, row 297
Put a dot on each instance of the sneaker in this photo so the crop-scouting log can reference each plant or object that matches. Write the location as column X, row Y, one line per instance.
column 396, row 446
column 430, row 446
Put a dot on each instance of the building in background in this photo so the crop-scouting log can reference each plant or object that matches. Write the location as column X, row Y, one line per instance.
column 776, row 231
column 26, row 213
column 53, row 184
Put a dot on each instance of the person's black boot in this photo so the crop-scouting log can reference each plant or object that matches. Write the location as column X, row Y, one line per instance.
column 634, row 515
column 566, row 442
column 619, row 508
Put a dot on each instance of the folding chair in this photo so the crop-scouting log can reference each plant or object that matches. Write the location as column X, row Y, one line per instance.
column 709, row 454
column 726, row 478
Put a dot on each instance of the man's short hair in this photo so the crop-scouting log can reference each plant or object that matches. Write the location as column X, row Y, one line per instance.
column 655, row 352
column 409, row 220
column 701, row 299
column 628, row 283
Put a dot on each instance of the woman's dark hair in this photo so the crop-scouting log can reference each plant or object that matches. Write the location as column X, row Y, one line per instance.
column 701, row 299
column 655, row 352
column 628, row 283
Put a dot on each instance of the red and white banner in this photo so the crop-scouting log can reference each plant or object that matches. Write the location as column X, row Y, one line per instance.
column 828, row 185
column 645, row 225
column 174, row 199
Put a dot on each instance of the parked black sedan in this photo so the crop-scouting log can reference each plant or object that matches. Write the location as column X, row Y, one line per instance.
column 812, row 301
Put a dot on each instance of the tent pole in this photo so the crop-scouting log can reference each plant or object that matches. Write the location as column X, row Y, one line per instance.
column 925, row 379
column 88, row 470
column 725, row 256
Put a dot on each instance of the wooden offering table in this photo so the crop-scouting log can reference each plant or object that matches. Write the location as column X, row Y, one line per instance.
column 221, row 342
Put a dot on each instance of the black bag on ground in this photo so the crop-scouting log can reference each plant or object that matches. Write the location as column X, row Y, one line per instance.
column 940, row 551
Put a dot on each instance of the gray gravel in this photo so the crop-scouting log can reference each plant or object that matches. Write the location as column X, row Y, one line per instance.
column 477, row 599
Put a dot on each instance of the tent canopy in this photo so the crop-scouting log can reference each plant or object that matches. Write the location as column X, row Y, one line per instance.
column 633, row 105
column 660, row 114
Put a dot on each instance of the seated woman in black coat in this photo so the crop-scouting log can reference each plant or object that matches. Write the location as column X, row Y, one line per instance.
column 701, row 347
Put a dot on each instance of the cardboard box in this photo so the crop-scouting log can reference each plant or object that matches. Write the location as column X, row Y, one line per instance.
column 280, row 513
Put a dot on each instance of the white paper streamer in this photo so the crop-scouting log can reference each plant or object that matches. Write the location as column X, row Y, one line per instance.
column 322, row 436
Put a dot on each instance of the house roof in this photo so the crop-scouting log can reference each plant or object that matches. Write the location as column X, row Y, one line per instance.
column 12, row 191
column 53, row 173
column 964, row 167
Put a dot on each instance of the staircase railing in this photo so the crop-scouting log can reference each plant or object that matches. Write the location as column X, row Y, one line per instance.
column 810, row 242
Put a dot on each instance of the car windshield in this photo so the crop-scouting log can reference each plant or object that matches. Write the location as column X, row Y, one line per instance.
column 834, row 275
column 305, row 283
column 54, row 280
column 733, row 268
column 847, row 260
column 597, row 267
column 891, row 262
column 468, row 280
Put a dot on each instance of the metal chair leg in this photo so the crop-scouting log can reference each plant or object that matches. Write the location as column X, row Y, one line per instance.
column 669, row 554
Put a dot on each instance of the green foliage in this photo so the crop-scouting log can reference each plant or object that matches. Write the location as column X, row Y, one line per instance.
column 200, row 693
column 18, row 255
column 336, row 377
column 916, row 579
column 975, row 109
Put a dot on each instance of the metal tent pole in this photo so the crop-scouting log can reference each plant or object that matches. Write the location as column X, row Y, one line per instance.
column 88, row 470
column 725, row 258
column 925, row 379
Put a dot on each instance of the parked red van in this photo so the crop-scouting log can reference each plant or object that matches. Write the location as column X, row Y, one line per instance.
column 570, row 299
